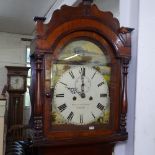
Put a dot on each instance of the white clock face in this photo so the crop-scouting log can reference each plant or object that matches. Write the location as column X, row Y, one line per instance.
column 16, row 82
column 81, row 95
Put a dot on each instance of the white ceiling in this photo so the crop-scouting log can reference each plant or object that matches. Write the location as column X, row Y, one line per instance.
column 16, row 16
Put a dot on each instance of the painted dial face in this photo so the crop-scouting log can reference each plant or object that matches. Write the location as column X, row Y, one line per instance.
column 16, row 82
column 81, row 95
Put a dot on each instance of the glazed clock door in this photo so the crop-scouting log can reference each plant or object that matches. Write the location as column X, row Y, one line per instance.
column 80, row 85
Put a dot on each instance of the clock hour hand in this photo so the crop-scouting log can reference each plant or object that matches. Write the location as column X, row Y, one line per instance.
column 72, row 90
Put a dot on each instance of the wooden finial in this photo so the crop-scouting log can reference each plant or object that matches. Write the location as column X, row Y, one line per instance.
column 39, row 18
column 87, row 2
column 39, row 25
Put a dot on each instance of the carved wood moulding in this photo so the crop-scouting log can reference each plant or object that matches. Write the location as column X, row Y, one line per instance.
column 88, row 17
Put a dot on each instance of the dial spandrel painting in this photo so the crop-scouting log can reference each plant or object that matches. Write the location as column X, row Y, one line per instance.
column 80, row 79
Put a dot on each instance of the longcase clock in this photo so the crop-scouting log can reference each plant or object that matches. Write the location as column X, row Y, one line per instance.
column 79, row 81
column 16, row 87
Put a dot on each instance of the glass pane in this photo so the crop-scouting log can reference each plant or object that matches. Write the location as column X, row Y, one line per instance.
column 80, row 73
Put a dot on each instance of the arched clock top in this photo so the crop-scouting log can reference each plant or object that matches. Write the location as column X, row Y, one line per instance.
column 85, row 18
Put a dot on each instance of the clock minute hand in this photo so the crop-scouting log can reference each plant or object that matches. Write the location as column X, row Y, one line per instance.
column 82, row 86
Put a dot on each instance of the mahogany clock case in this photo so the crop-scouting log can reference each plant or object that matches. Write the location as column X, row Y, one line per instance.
column 87, row 24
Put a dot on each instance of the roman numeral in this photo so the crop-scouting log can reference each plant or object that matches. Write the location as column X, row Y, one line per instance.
column 81, row 119
column 63, row 83
column 59, row 95
column 93, row 115
column 70, row 116
column 83, row 71
column 100, row 84
column 62, row 107
column 100, row 106
column 93, row 75
column 71, row 74
column 103, row 95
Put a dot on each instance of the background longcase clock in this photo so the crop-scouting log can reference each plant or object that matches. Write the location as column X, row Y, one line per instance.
column 79, row 66
column 16, row 78
column 16, row 87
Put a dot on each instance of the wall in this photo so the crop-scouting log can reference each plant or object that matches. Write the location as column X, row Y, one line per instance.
column 140, row 15
column 127, row 13
column 109, row 5
column 129, row 17
column 145, row 97
column 12, row 52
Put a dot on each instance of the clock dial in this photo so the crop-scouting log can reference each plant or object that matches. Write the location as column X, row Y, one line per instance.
column 16, row 82
column 81, row 95
column 81, row 87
